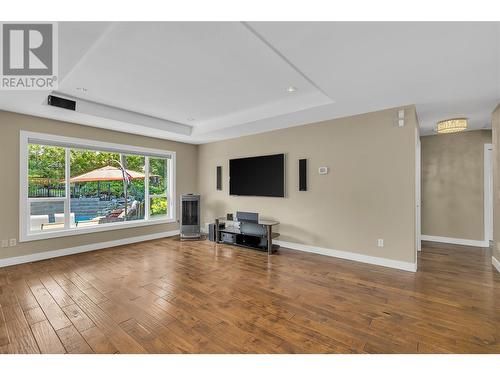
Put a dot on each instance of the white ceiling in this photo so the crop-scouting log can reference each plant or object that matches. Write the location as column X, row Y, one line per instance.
column 205, row 81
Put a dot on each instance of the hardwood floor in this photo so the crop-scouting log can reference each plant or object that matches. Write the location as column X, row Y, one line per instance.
column 167, row 296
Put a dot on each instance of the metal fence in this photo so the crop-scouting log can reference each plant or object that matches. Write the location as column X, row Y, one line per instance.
column 37, row 191
column 46, row 191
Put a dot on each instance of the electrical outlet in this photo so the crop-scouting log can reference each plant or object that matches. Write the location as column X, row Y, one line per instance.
column 380, row 242
column 5, row 243
column 12, row 242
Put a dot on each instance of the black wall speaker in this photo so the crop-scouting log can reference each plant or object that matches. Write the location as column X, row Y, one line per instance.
column 303, row 175
column 219, row 177
column 56, row 101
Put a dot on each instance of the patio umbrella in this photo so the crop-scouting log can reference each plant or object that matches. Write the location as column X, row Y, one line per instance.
column 107, row 173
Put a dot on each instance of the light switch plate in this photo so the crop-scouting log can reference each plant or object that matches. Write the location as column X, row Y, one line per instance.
column 12, row 242
column 5, row 243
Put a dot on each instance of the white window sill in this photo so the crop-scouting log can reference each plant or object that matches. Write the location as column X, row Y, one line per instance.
column 98, row 228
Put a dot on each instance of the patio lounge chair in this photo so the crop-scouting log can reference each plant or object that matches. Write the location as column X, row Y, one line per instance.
column 36, row 222
column 59, row 218
column 119, row 214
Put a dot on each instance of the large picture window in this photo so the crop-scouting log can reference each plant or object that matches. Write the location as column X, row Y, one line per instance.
column 72, row 186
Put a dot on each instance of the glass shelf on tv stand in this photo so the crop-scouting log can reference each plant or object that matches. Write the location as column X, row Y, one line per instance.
column 260, row 222
column 268, row 224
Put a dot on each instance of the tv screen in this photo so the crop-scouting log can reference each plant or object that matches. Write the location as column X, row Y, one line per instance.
column 258, row 176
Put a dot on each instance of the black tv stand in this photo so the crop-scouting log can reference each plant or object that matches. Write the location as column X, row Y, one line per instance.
column 256, row 235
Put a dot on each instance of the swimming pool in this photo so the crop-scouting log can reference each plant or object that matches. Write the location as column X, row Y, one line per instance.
column 83, row 218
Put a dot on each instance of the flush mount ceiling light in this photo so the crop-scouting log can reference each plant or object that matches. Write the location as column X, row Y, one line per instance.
column 291, row 89
column 452, row 125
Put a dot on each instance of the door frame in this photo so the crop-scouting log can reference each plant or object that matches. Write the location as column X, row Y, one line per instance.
column 418, row 194
column 488, row 192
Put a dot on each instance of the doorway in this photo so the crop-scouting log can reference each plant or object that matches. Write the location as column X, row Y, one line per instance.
column 418, row 214
column 488, row 192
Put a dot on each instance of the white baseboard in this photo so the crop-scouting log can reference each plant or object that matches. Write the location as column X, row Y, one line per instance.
column 83, row 248
column 495, row 263
column 456, row 241
column 406, row 266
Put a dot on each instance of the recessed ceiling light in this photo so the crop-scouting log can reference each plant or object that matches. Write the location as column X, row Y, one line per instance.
column 82, row 89
column 291, row 89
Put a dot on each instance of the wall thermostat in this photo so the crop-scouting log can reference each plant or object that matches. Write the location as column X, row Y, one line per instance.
column 323, row 170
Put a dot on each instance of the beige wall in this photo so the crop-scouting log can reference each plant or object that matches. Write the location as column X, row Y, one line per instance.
column 11, row 124
column 453, row 184
column 369, row 192
column 496, row 182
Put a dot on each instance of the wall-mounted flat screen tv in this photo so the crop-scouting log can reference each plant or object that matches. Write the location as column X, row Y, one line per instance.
column 258, row 176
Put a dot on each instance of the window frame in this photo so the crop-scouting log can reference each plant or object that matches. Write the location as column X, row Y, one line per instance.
column 27, row 137
column 149, row 196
